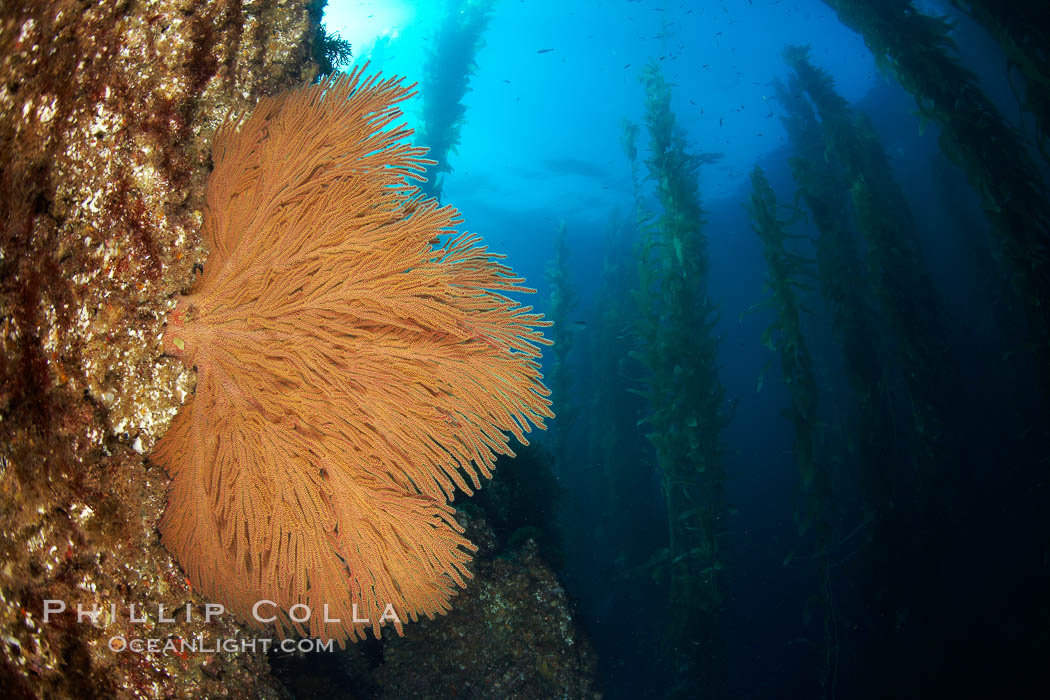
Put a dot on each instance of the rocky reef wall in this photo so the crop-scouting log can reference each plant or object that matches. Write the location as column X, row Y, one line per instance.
column 106, row 115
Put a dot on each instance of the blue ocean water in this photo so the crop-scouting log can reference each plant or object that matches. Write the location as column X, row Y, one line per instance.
column 936, row 590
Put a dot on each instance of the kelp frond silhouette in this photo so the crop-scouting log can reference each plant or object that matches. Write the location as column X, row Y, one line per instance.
column 352, row 371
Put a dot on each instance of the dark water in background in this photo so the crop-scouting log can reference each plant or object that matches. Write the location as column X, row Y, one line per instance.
column 540, row 144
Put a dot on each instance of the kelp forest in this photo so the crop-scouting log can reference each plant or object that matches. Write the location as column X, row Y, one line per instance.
column 908, row 447
column 627, row 349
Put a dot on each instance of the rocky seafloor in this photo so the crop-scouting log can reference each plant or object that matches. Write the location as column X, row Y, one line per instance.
column 106, row 115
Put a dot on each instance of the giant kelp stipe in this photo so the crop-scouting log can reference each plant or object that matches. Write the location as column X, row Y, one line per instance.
column 780, row 293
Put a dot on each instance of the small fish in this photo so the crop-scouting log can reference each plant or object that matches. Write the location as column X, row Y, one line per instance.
column 544, row 50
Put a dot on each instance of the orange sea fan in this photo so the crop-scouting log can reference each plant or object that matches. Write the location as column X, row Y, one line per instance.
column 352, row 372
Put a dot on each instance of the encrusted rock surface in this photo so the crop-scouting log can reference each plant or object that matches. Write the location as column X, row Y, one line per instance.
column 511, row 634
column 106, row 115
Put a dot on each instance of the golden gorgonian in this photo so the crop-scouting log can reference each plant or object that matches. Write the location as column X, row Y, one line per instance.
column 357, row 362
